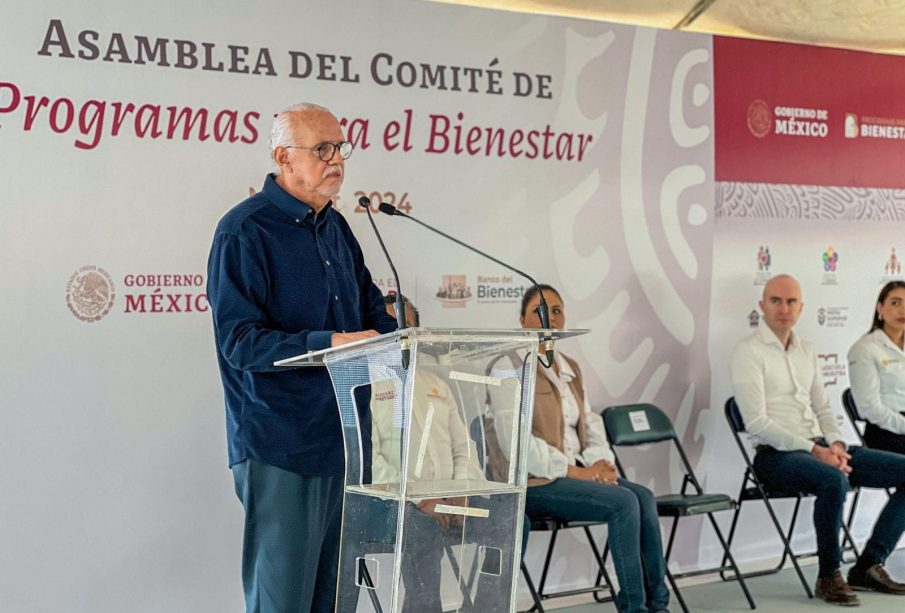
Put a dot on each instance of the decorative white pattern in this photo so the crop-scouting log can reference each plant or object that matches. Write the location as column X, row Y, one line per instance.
column 770, row 201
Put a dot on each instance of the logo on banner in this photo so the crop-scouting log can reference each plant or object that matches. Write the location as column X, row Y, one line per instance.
column 760, row 119
column 165, row 293
column 753, row 319
column 830, row 265
column 454, row 291
column 830, row 259
column 832, row 317
column 887, row 128
column 831, row 368
column 90, row 293
column 764, row 261
column 851, row 125
column 495, row 289
column 787, row 120
column 893, row 267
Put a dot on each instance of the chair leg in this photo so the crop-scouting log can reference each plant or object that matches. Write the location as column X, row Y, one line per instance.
column 728, row 554
column 372, row 593
column 851, row 512
column 669, row 577
column 601, row 571
column 788, row 552
column 787, row 543
column 672, row 537
column 547, row 559
column 675, row 589
column 537, row 607
column 606, row 577
column 847, row 537
column 787, row 549
column 738, row 511
column 464, row 590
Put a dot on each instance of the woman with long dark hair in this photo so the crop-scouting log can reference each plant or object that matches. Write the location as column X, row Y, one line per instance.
column 571, row 475
column 876, row 366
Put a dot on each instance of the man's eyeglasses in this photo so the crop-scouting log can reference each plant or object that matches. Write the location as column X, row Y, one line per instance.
column 326, row 151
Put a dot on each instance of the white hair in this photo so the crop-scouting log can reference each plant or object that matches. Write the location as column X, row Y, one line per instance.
column 281, row 133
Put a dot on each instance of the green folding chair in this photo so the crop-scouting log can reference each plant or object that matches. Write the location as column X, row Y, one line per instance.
column 644, row 424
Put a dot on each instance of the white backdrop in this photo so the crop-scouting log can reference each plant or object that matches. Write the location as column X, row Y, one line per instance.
column 859, row 226
column 117, row 492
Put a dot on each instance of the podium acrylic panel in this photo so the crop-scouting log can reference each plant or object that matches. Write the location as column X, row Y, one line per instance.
column 433, row 507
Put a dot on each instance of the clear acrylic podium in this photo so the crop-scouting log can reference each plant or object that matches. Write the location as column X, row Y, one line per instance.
column 433, row 506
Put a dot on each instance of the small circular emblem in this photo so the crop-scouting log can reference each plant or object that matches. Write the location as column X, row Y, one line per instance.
column 89, row 293
column 760, row 119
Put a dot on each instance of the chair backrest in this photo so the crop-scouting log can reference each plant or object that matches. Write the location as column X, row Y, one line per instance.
column 637, row 424
column 851, row 409
column 476, row 432
column 734, row 416
column 494, row 462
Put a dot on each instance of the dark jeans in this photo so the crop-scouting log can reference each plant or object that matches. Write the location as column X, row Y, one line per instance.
column 422, row 555
column 291, row 546
column 630, row 512
column 884, row 440
column 782, row 470
column 423, row 548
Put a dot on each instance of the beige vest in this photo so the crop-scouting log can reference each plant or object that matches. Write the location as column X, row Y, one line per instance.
column 549, row 423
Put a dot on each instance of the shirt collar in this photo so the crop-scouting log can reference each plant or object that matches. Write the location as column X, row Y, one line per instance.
column 768, row 337
column 289, row 204
column 566, row 374
column 880, row 337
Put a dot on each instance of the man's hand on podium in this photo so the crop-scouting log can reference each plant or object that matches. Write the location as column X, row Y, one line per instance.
column 342, row 338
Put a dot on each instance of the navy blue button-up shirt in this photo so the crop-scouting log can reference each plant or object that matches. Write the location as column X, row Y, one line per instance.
column 281, row 280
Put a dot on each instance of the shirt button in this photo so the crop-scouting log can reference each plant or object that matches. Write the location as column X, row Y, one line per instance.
column 297, row 221
column 328, row 262
column 335, row 297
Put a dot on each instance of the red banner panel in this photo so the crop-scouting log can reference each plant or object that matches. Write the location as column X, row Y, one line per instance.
column 808, row 115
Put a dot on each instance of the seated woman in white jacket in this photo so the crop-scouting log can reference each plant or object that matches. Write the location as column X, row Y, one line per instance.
column 876, row 366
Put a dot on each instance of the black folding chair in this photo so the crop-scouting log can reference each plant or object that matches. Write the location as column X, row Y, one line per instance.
column 858, row 425
column 602, row 585
column 478, row 429
column 851, row 411
column 753, row 489
column 641, row 424
column 365, row 580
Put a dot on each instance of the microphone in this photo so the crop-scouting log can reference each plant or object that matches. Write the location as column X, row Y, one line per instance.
column 543, row 312
column 399, row 305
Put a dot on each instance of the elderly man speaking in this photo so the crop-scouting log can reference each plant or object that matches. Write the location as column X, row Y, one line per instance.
column 285, row 277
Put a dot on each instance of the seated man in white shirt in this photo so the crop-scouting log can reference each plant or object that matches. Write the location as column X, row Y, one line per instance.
column 441, row 451
column 785, row 408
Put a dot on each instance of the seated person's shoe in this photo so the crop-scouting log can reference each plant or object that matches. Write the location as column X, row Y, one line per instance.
column 874, row 579
column 835, row 590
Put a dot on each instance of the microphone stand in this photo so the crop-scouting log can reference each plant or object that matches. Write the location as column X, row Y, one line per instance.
column 399, row 305
column 543, row 312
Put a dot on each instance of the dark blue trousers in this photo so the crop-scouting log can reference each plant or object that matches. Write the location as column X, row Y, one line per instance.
column 800, row 470
column 630, row 512
column 292, row 532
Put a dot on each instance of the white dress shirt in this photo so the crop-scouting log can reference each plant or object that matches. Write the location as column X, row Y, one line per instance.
column 876, row 370
column 780, row 392
column 545, row 460
column 440, row 446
